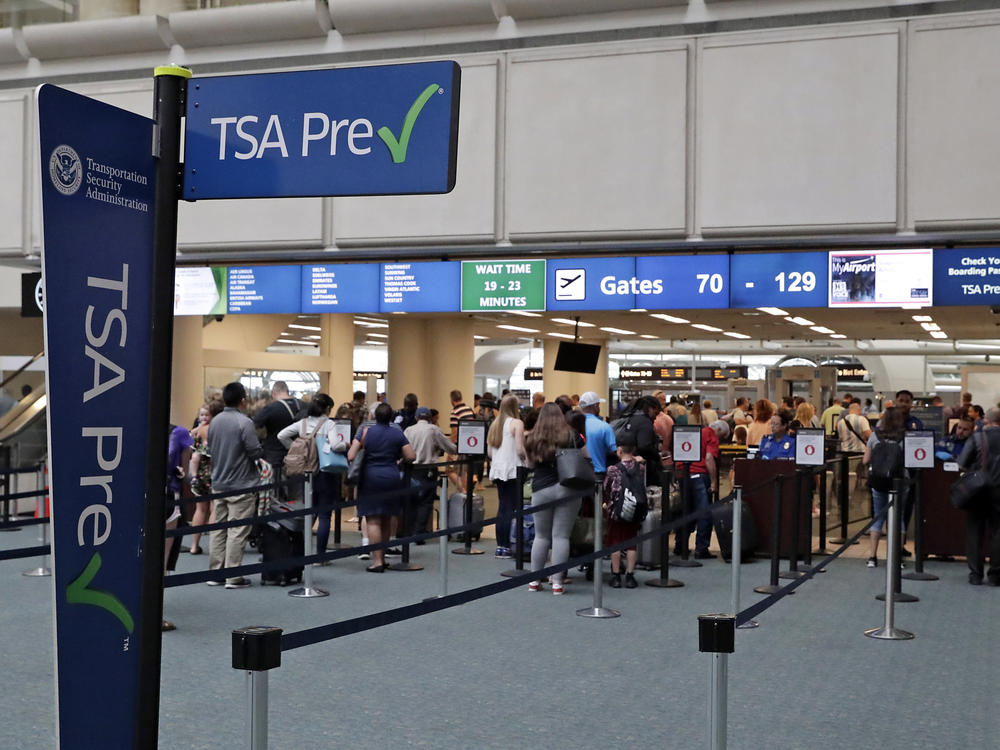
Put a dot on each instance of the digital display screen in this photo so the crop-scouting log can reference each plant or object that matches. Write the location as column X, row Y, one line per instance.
column 200, row 291
column 682, row 282
column 778, row 280
column 421, row 287
column 264, row 289
column 881, row 278
column 345, row 288
column 967, row 277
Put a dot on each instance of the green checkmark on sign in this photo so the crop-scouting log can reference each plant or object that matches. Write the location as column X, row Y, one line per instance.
column 77, row 592
column 398, row 147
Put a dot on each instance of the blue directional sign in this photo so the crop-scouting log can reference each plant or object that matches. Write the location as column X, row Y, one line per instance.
column 967, row 276
column 98, row 177
column 682, row 282
column 590, row 284
column 264, row 289
column 421, row 287
column 380, row 130
column 778, row 280
column 343, row 288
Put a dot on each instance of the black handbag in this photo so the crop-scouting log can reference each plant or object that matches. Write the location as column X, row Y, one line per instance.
column 972, row 484
column 574, row 469
column 353, row 477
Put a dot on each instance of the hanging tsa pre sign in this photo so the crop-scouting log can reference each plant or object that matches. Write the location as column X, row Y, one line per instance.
column 918, row 449
column 687, row 443
column 471, row 437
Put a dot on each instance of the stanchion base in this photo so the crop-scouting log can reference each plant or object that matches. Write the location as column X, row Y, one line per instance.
column 791, row 575
column 768, row 589
column 889, row 634
column 669, row 583
column 840, row 540
column 748, row 625
column 512, row 573
column 14, row 528
column 336, row 545
column 308, row 592
column 404, row 566
column 821, row 551
column 900, row 596
column 680, row 562
column 464, row 551
column 813, row 569
column 919, row 576
column 600, row 612
column 38, row 572
column 433, row 598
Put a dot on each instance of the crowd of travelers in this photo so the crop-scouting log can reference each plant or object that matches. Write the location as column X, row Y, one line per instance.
column 237, row 445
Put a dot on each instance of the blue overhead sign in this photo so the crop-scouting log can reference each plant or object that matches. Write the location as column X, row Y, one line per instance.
column 681, row 282
column 345, row 288
column 97, row 200
column 967, row 277
column 421, row 287
column 590, row 284
column 264, row 289
column 779, row 280
column 380, row 130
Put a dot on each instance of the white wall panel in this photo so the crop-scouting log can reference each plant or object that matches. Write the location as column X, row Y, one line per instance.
column 468, row 211
column 798, row 133
column 597, row 144
column 256, row 223
column 12, row 158
column 953, row 147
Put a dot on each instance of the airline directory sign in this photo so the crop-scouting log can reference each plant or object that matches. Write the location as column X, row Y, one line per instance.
column 264, row 289
column 97, row 199
column 420, row 287
column 778, row 280
column 378, row 130
column 345, row 288
column 967, row 276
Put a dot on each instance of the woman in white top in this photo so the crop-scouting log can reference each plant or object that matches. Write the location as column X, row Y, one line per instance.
column 506, row 447
column 326, row 486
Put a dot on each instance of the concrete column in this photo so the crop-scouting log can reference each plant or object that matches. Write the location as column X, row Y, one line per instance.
column 558, row 382
column 336, row 352
column 187, row 376
column 430, row 357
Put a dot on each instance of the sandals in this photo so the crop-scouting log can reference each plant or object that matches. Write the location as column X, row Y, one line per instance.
column 377, row 568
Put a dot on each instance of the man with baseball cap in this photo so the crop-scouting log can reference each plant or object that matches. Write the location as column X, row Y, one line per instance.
column 600, row 436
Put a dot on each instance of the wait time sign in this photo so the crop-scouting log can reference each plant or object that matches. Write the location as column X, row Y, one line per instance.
column 503, row 285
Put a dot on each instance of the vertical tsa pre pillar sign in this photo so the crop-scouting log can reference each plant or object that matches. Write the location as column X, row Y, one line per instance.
column 431, row 357
column 558, row 382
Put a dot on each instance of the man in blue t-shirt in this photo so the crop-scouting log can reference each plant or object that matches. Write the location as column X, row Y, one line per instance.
column 600, row 436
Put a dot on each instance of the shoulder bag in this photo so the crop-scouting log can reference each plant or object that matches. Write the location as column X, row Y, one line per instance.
column 972, row 484
column 329, row 460
column 574, row 469
column 353, row 477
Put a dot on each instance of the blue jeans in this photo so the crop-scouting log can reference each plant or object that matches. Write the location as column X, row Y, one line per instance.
column 701, row 493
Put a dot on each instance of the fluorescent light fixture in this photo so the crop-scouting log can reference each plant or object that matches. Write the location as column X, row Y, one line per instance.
column 837, row 336
column 518, row 328
column 974, row 345
column 304, row 328
column 938, row 334
column 735, row 335
column 394, row 312
column 567, row 321
column 375, row 343
column 622, row 331
column 923, row 318
column 912, row 307
column 525, row 313
column 296, row 343
column 378, row 335
column 669, row 318
column 311, row 336
column 372, row 324
column 930, row 326
column 776, row 311
column 638, row 309
column 647, row 336
column 821, row 329
column 481, row 338
column 799, row 321
column 706, row 327
column 563, row 335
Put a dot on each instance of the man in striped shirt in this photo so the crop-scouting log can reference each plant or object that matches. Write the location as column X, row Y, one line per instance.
column 459, row 410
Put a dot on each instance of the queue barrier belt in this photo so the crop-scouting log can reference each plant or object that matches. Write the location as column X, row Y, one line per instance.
column 14, row 554
column 21, row 495
column 24, row 522
column 20, row 469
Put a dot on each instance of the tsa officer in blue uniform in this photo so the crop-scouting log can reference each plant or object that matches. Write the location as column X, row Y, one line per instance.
column 779, row 444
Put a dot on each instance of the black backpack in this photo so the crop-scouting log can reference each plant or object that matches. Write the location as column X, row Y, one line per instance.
column 886, row 463
column 631, row 505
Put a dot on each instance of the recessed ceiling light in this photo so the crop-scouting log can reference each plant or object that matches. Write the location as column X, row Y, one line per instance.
column 525, row 313
column 735, row 335
column 569, row 322
column 923, row 318
column 776, row 311
column 912, row 307
column 622, row 331
column 320, row 337
column 305, row 328
column 706, row 327
column 837, row 336
column 821, row 329
column 518, row 328
column 378, row 335
column 481, row 338
column 669, row 318
column 563, row 335
column 930, row 326
column 647, row 336
column 396, row 312
column 296, row 343
column 799, row 321
column 938, row 334
column 638, row 309
column 371, row 323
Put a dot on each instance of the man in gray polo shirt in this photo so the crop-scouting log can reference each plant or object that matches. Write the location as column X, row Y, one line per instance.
column 234, row 447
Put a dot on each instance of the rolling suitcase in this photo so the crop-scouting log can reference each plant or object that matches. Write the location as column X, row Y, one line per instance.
column 722, row 522
column 456, row 514
column 278, row 542
column 649, row 550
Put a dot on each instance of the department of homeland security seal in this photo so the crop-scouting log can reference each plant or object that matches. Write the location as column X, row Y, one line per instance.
column 65, row 170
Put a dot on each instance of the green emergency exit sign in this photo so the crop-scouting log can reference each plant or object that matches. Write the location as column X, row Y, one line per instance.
column 503, row 285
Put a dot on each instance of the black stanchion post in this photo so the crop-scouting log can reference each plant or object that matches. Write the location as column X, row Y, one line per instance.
column 918, row 574
column 775, row 540
column 467, row 549
column 717, row 636
column 307, row 590
column 895, row 541
column 256, row 650
column 889, row 631
column 793, row 557
column 5, row 490
column 519, row 525
column 821, row 548
column 682, row 535
column 665, row 581
column 404, row 563
column 843, row 498
column 337, row 518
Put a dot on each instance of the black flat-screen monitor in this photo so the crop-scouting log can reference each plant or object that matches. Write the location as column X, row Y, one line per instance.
column 574, row 357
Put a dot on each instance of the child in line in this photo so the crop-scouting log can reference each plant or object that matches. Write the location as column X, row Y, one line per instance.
column 617, row 530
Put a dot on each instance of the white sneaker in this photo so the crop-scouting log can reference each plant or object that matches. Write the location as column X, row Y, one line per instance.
column 365, row 555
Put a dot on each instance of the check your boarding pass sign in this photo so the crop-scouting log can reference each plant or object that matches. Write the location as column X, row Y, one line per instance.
column 378, row 130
